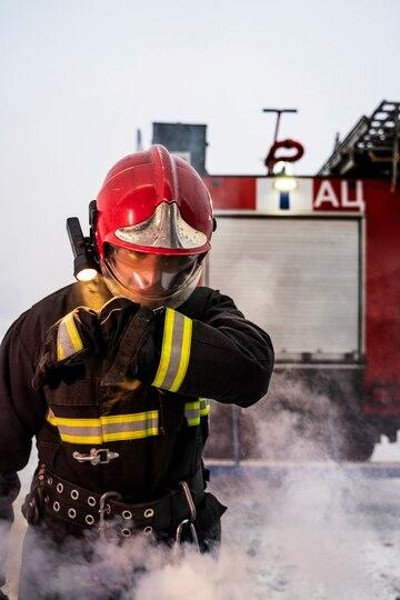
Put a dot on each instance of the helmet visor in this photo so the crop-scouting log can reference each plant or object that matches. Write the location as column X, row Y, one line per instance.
column 150, row 279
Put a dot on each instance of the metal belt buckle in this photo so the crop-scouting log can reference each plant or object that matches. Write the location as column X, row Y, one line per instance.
column 96, row 456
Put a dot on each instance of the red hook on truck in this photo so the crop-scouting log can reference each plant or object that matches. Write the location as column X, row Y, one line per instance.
column 287, row 144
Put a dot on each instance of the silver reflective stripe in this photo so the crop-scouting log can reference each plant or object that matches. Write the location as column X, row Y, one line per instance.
column 175, row 351
column 68, row 339
column 192, row 413
column 115, row 428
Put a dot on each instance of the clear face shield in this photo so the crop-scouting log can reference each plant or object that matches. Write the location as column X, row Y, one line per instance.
column 152, row 280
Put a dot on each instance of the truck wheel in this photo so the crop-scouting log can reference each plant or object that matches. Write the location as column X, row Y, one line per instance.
column 353, row 439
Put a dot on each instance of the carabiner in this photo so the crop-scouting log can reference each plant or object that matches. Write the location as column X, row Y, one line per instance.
column 187, row 522
column 103, row 510
column 193, row 533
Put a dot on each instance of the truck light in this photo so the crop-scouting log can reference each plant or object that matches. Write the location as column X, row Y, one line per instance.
column 283, row 179
column 285, row 184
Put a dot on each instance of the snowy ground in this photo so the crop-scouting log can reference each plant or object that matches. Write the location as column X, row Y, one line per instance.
column 317, row 533
column 310, row 531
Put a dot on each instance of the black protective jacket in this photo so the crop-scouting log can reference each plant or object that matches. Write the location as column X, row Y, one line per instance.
column 159, row 425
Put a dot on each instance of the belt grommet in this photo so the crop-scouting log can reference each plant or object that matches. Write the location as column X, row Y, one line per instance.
column 74, row 494
column 89, row 519
column 91, row 501
column 149, row 512
column 148, row 530
column 49, row 481
column 126, row 514
column 71, row 513
column 60, row 488
column 56, row 506
column 126, row 532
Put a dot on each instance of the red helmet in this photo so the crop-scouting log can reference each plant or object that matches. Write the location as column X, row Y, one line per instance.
column 153, row 203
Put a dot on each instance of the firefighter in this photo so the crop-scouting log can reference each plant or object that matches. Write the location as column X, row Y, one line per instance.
column 114, row 376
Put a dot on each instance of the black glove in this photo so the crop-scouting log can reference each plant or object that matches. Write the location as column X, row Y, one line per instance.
column 4, row 535
column 3, row 558
column 67, row 344
column 127, row 328
column 114, row 317
column 10, row 486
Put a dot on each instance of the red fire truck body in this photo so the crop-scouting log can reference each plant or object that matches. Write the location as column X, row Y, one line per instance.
column 316, row 261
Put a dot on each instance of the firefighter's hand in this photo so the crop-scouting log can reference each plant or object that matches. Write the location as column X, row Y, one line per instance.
column 3, row 596
column 114, row 317
column 3, row 556
column 5, row 527
column 10, row 486
column 67, row 344
column 127, row 326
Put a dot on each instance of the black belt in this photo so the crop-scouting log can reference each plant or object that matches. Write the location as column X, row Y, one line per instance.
column 85, row 508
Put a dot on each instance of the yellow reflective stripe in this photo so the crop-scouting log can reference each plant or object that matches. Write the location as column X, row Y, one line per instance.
column 166, row 348
column 52, row 419
column 68, row 338
column 205, row 407
column 131, row 435
column 193, row 405
column 185, row 354
column 77, row 439
column 175, row 351
column 106, row 428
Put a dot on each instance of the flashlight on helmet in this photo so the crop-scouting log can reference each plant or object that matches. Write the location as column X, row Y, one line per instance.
column 85, row 265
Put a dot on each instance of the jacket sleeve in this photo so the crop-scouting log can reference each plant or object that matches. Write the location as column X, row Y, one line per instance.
column 212, row 351
column 17, row 425
column 22, row 408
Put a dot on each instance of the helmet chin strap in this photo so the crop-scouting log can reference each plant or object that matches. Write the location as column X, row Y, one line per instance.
column 173, row 300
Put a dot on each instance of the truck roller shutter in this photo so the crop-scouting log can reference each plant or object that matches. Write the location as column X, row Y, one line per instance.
column 297, row 277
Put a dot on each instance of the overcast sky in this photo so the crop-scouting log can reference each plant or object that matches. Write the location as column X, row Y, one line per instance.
column 80, row 76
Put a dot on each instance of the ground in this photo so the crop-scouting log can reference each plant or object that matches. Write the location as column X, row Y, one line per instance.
column 305, row 531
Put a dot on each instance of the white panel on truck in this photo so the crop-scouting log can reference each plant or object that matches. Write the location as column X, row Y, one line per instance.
column 299, row 278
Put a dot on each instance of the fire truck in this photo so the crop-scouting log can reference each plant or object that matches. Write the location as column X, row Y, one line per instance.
column 316, row 262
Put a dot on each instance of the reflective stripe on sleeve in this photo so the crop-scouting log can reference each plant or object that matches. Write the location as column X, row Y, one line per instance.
column 175, row 351
column 108, row 428
column 205, row 407
column 68, row 339
column 192, row 413
column 195, row 410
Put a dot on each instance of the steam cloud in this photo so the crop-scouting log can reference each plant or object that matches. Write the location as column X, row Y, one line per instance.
column 308, row 532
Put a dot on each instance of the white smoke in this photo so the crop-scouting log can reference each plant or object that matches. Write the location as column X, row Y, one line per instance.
column 296, row 423
column 138, row 568
column 300, row 529
column 313, row 531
